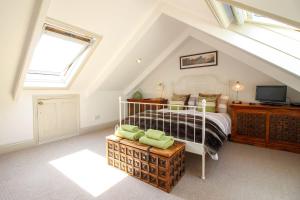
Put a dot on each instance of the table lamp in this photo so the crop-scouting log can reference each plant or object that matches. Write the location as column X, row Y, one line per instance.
column 237, row 87
column 161, row 87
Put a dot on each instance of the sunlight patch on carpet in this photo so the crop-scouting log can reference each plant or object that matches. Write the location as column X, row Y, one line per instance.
column 89, row 171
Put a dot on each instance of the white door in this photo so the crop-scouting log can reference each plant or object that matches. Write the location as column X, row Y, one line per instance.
column 57, row 118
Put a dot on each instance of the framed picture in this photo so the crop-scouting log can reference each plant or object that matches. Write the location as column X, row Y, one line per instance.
column 199, row 60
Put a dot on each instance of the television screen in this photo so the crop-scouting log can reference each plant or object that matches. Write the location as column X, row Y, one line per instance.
column 274, row 93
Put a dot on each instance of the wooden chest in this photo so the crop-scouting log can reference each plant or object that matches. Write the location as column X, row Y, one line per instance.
column 160, row 168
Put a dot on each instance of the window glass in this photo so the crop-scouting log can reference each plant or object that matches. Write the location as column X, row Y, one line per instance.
column 56, row 58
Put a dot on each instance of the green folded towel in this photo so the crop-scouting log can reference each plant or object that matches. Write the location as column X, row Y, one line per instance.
column 130, row 128
column 155, row 134
column 129, row 135
column 164, row 143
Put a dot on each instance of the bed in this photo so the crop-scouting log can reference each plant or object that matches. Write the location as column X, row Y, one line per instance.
column 186, row 125
column 203, row 132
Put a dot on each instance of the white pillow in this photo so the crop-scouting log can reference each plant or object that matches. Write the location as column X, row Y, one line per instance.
column 222, row 104
column 192, row 102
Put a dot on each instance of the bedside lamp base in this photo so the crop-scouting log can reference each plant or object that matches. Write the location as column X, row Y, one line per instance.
column 236, row 102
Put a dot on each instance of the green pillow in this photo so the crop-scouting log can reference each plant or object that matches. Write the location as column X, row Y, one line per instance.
column 176, row 105
column 181, row 97
column 211, row 102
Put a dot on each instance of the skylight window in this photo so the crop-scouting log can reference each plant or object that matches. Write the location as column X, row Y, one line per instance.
column 256, row 18
column 265, row 35
column 275, row 34
column 57, row 57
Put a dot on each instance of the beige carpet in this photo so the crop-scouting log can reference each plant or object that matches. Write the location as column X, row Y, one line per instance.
column 64, row 170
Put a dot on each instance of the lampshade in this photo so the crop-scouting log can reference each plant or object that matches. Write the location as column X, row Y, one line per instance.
column 237, row 86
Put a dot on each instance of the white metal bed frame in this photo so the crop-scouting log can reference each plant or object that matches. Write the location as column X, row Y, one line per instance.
column 191, row 146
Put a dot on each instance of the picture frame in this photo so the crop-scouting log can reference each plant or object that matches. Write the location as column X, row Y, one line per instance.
column 205, row 59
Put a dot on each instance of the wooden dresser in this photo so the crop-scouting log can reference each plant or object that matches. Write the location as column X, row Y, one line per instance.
column 135, row 108
column 275, row 127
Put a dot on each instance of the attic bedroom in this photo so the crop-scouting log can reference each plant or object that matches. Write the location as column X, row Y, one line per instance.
column 150, row 99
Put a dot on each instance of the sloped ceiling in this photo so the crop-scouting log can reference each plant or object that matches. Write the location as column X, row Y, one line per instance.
column 259, row 56
column 163, row 32
column 197, row 8
column 117, row 26
column 114, row 20
column 134, row 29
column 263, row 58
column 15, row 20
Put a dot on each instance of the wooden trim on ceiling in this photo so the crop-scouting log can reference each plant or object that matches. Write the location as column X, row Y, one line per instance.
column 66, row 33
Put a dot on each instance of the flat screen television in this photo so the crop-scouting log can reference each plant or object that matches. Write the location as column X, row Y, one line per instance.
column 273, row 94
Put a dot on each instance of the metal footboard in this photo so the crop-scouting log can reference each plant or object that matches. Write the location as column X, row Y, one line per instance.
column 134, row 118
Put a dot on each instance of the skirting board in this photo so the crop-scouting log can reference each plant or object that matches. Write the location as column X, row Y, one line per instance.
column 6, row 148
column 99, row 127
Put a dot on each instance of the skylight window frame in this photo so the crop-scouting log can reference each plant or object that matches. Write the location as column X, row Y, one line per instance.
column 66, row 35
column 262, row 28
column 70, row 32
column 285, row 61
column 250, row 18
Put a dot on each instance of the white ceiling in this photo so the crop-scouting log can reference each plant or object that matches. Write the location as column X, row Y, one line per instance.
column 114, row 20
column 117, row 22
column 15, row 19
column 160, row 35
column 195, row 7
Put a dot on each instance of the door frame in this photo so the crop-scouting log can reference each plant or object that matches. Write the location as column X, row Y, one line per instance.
column 35, row 100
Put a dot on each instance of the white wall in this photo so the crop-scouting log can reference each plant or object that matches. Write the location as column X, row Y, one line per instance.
column 228, row 70
column 101, row 107
column 16, row 117
column 16, row 122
